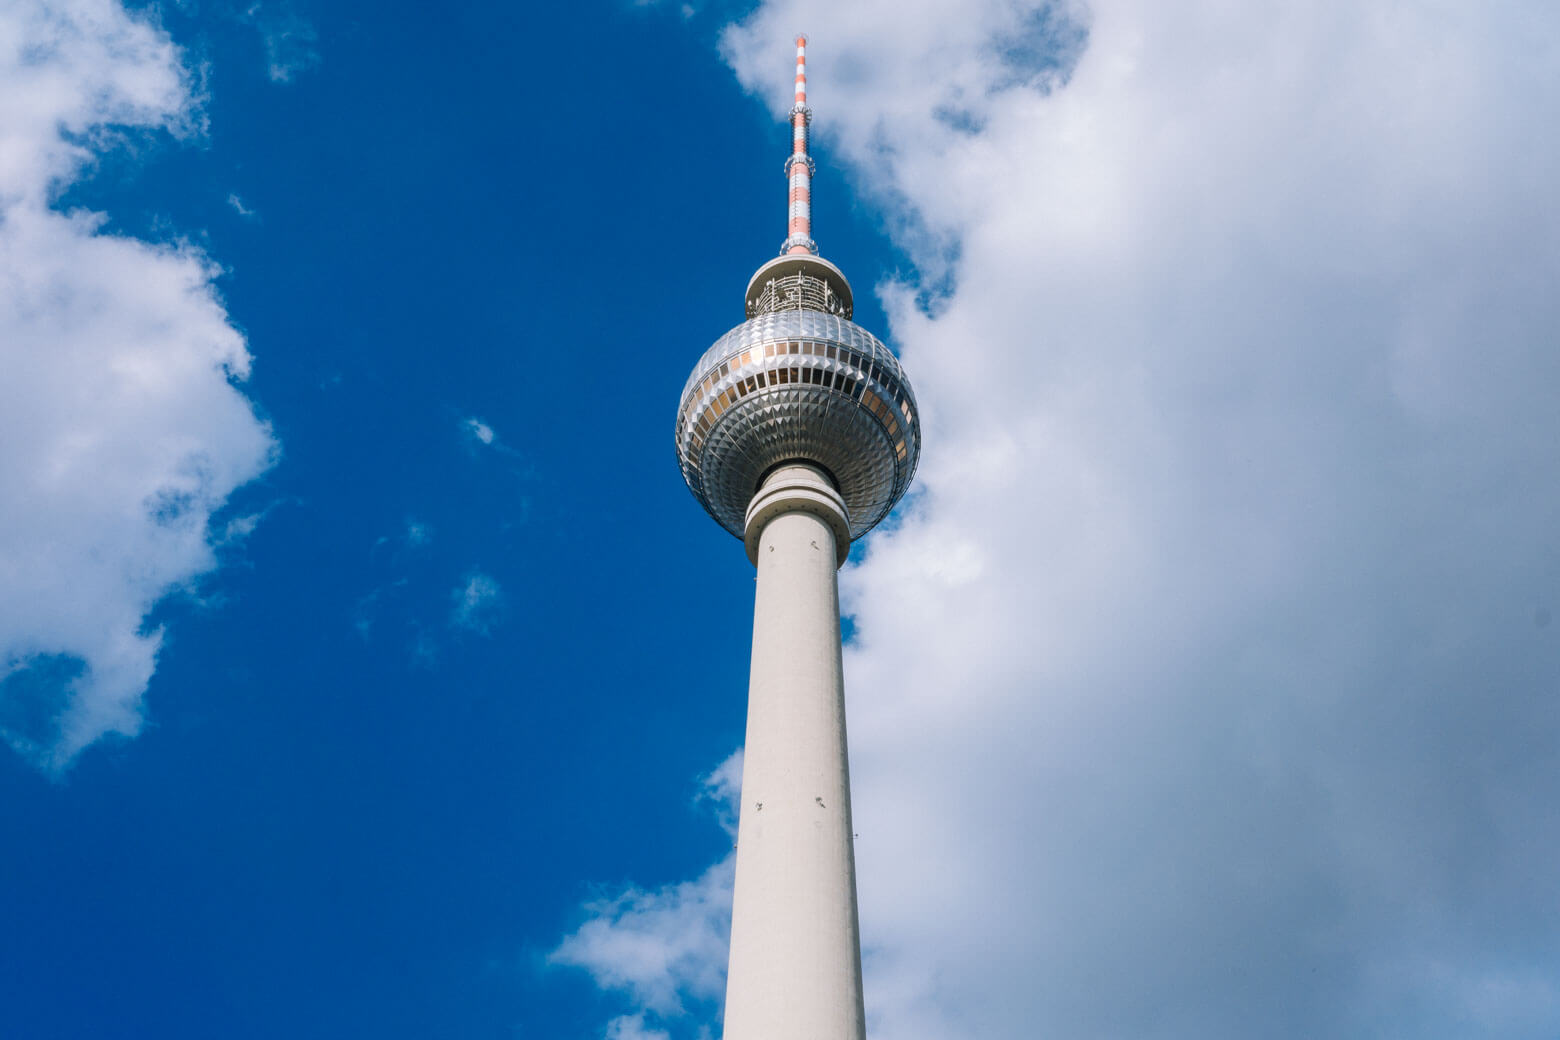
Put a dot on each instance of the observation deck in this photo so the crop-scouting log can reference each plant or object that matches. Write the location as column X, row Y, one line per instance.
column 798, row 382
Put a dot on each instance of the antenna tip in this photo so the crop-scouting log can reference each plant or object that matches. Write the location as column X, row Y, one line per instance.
column 801, row 39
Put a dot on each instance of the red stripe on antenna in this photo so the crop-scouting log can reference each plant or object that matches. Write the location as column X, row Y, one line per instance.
column 799, row 168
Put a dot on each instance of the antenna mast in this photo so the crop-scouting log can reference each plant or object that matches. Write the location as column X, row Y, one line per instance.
column 799, row 167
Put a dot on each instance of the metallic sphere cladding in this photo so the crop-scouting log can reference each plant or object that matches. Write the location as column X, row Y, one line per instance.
column 798, row 384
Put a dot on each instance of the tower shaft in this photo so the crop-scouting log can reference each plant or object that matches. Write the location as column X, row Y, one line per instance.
column 795, row 968
column 797, row 431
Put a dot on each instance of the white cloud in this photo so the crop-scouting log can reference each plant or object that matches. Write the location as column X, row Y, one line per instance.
column 418, row 533
column 632, row 1027
column 721, row 790
column 659, row 948
column 1205, row 688
column 478, row 430
column 481, row 435
column 239, row 207
column 239, row 528
column 121, row 427
column 291, row 43
column 478, row 602
column 663, row 950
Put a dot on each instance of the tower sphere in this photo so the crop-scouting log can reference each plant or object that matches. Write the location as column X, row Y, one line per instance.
column 798, row 382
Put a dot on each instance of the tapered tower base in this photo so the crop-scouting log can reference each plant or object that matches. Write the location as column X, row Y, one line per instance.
column 795, row 969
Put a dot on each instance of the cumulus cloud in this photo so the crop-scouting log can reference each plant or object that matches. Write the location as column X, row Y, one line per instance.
column 660, row 948
column 1206, row 688
column 121, row 428
column 664, row 950
column 477, row 603
column 721, row 792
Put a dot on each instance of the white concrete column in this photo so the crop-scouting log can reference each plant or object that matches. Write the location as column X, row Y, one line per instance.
column 795, row 968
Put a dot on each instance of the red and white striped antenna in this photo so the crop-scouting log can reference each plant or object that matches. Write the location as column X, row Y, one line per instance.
column 799, row 167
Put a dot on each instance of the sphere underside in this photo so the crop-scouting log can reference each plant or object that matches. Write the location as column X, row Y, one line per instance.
column 798, row 385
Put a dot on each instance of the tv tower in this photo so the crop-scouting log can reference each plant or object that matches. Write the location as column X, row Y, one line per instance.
column 797, row 432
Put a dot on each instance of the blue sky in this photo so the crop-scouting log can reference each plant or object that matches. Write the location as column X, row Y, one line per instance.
column 352, row 807
column 367, row 669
